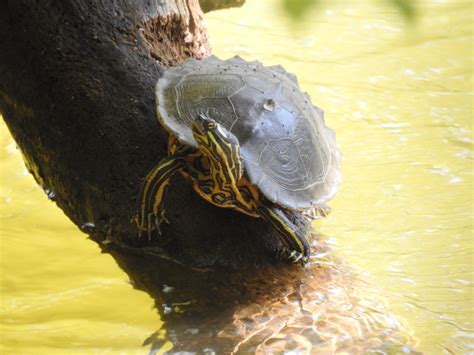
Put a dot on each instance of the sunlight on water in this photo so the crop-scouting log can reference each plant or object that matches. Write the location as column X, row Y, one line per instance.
column 400, row 100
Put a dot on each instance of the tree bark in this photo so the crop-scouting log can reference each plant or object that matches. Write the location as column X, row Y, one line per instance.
column 76, row 92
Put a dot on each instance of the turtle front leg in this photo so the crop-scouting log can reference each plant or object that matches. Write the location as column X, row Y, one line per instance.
column 296, row 247
column 150, row 202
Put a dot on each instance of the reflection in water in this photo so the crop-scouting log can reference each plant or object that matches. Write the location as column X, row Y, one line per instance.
column 319, row 308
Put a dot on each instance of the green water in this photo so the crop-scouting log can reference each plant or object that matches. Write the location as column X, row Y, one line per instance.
column 399, row 97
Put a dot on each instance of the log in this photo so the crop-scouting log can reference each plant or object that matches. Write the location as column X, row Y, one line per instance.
column 76, row 93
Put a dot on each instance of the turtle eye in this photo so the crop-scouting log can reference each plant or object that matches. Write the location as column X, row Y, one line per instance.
column 205, row 123
column 209, row 124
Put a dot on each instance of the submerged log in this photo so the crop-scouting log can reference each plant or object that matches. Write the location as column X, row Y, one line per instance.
column 324, row 308
column 76, row 92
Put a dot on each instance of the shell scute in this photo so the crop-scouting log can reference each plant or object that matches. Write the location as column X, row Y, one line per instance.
column 280, row 70
column 236, row 59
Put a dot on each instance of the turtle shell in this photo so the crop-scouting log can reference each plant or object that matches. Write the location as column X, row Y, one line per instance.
column 287, row 150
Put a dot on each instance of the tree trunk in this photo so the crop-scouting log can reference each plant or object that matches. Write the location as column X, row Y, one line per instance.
column 76, row 92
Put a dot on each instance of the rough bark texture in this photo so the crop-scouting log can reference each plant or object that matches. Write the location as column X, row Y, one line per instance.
column 76, row 92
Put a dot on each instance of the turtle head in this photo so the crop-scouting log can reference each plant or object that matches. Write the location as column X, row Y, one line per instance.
column 218, row 144
column 203, row 124
column 209, row 133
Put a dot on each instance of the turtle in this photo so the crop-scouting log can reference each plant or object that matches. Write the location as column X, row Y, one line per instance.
column 247, row 138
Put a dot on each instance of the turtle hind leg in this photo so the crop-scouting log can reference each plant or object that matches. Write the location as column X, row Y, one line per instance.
column 150, row 202
column 293, row 237
column 317, row 212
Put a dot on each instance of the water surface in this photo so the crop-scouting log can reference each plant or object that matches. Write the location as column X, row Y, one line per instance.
column 399, row 97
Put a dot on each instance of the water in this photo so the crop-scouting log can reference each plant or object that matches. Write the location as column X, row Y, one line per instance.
column 399, row 97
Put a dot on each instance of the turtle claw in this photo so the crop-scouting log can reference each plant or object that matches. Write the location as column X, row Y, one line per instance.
column 151, row 223
column 293, row 256
column 163, row 217
column 158, row 220
column 148, row 226
column 317, row 212
column 324, row 210
column 140, row 222
column 154, row 222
